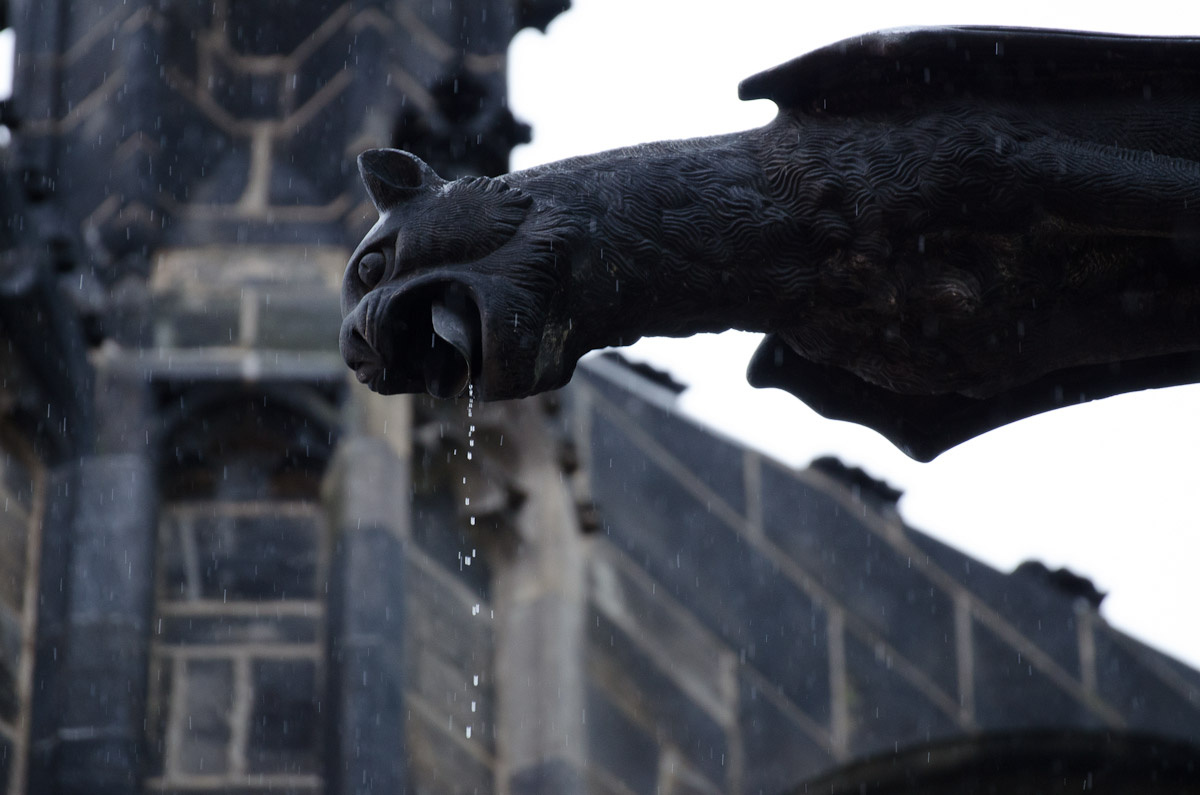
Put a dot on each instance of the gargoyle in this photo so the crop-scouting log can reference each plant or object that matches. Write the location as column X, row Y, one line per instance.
column 942, row 231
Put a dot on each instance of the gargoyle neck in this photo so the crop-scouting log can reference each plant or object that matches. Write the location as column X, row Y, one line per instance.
column 665, row 237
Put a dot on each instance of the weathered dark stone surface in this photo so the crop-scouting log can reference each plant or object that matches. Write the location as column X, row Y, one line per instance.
column 367, row 625
column 666, row 711
column 110, row 591
column 553, row 776
column 1126, row 676
column 6, row 760
column 1044, row 615
column 884, row 706
column 627, row 751
column 943, row 230
column 715, row 460
column 245, row 557
column 436, row 763
column 285, row 721
column 915, row 642
column 50, row 682
column 731, row 587
column 862, row 571
column 1002, row 671
column 779, row 750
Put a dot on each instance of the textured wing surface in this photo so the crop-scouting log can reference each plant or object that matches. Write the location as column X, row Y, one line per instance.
column 904, row 68
column 1110, row 135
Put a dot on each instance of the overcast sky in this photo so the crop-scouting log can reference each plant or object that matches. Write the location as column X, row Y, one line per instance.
column 1108, row 489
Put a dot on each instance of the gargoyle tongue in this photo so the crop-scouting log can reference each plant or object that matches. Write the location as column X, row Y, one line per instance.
column 448, row 367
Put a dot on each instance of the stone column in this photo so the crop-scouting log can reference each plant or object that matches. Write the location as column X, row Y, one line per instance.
column 61, row 489
column 367, row 491
column 540, row 724
column 109, row 590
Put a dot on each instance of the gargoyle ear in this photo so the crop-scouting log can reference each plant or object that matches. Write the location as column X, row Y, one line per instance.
column 393, row 176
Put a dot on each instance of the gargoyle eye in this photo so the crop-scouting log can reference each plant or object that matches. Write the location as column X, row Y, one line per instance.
column 370, row 269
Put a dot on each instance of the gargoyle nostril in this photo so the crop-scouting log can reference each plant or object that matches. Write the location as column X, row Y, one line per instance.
column 371, row 268
column 358, row 342
column 353, row 345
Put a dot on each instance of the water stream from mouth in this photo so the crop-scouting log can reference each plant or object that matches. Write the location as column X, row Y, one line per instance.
column 475, row 609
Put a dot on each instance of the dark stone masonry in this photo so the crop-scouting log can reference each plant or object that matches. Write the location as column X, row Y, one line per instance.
column 226, row 567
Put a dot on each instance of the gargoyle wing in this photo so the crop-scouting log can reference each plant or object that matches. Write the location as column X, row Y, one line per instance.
column 1122, row 151
column 901, row 69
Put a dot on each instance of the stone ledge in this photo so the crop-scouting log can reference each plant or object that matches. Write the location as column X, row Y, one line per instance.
column 216, row 267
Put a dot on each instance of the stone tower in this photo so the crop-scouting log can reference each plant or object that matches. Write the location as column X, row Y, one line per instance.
column 180, row 198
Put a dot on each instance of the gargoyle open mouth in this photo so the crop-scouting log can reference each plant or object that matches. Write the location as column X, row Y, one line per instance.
column 416, row 338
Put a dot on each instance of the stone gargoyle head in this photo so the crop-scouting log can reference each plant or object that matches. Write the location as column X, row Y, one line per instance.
column 453, row 287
